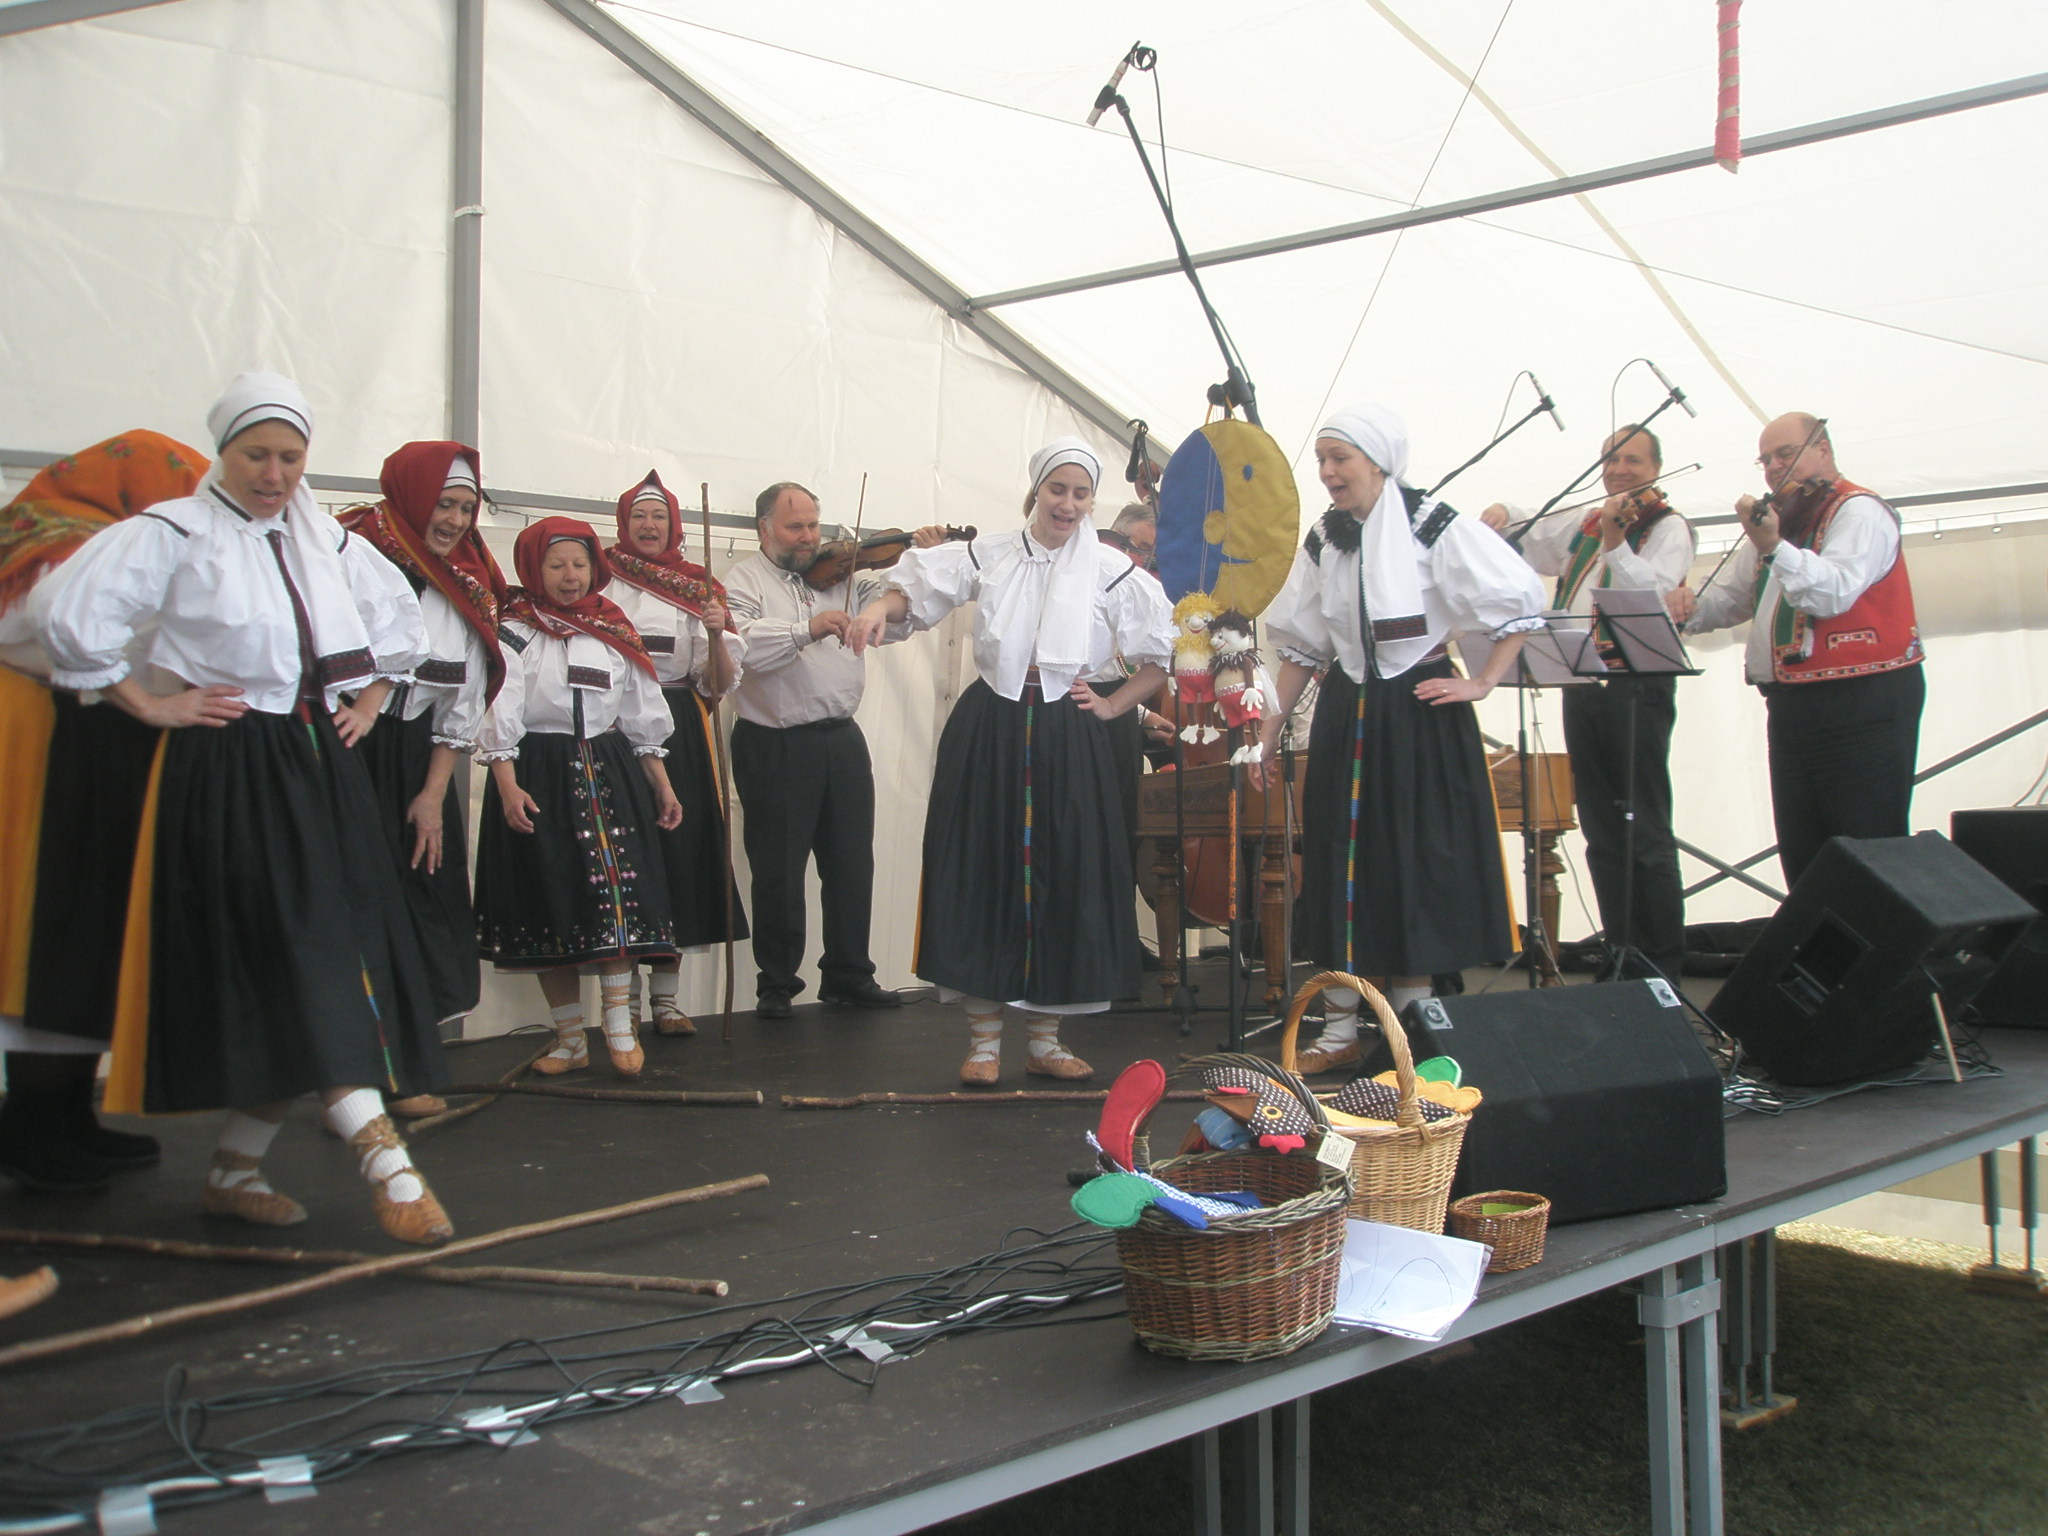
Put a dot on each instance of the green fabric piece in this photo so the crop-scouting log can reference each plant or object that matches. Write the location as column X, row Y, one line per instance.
column 1113, row 1200
column 1440, row 1069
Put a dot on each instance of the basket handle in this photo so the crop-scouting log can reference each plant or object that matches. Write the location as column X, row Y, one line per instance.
column 1409, row 1114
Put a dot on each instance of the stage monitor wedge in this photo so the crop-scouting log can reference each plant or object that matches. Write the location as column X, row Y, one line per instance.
column 1599, row 1097
column 2012, row 842
column 1840, row 983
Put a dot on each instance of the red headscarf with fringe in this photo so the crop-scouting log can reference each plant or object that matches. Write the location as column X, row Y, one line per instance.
column 667, row 575
column 74, row 498
column 593, row 615
column 396, row 527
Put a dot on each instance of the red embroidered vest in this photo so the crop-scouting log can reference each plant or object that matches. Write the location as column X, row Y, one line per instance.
column 1878, row 633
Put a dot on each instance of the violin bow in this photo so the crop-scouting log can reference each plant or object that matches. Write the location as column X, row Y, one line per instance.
column 860, row 506
column 724, row 777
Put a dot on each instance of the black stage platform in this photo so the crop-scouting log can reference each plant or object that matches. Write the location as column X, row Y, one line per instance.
column 856, row 1195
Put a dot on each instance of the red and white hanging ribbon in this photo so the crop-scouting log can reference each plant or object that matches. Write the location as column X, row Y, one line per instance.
column 1728, row 107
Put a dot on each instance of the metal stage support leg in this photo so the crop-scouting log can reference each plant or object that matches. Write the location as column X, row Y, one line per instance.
column 1749, row 1334
column 2003, row 1279
column 1678, row 1306
column 1250, row 1478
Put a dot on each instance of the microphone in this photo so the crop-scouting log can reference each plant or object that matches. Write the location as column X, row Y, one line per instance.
column 1548, row 404
column 1108, row 93
column 1673, row 390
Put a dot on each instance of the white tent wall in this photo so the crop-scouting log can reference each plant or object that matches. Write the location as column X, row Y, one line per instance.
column 194, row 189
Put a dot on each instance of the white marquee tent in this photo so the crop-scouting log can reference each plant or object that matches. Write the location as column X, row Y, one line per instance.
column 747, row 242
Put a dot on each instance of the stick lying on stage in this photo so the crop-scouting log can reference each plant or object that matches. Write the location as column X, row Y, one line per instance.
column 429, row 1122
column 461, row 1274
column 244, row 1301
column 1015, row 1096
column 743, row 1098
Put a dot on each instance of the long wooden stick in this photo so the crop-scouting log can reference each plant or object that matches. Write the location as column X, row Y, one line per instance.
column 744, row 1098
column 1017, row 1096
column 244, row 1301
column 462, row 1274
column 724, row 784
column 413, row 1128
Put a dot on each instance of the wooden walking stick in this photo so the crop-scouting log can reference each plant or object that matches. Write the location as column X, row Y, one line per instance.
column 736, row 1098
column 245, row 1301
column 461, row 1274
column 490, row 1097
column 724, row 782
column 1014, row 1096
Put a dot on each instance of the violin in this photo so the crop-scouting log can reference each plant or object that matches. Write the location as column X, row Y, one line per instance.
column 1644, row 505
column 1795, row 505
column 840, row 558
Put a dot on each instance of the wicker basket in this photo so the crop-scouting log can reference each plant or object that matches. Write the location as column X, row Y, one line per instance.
column 1247, row 1287
column 1517, row 1237
column 1400, row 1174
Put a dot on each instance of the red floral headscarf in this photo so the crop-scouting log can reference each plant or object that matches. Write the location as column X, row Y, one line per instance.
column 74, row 497
column 667, row 575
column 591, row 614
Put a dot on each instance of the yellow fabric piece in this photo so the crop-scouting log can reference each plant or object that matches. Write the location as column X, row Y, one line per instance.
column 26, row 720
column 130, row 1051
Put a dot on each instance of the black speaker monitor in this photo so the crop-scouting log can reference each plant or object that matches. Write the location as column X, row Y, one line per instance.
column 1599, row 1097
column 2012, row 842
column 1840, row 983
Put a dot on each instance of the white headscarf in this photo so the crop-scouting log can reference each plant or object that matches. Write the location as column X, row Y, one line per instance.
column 459, row 473
column 1063, row 621
column 310, row 540
column 1387, row 550
column 256, row 397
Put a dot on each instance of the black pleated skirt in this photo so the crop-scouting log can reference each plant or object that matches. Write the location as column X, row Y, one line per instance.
column 1027, row 858
column 694, row 853
column 99, row 764
column 396, row 753
column 589, row 882
column 282, row 955
column 1426, row 892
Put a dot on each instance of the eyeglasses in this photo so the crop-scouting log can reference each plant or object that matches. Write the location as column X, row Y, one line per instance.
column 1779, row 456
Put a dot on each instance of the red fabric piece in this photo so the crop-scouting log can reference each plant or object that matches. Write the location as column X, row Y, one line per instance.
column 592, row 614
column 1880, row 632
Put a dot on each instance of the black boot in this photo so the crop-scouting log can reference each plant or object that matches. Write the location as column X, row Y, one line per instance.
column 39, row 1147
column 117, row 1149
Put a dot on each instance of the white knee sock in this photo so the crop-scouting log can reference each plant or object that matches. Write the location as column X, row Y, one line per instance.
column 389, row 1166
column 251, row 1136
column 1043, row 1032
column 661, row 991
column 613, row 992
column 984, row 1028
column 1400, row 997
column 1340, row 1019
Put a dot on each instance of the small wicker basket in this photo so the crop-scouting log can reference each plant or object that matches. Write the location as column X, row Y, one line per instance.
column 1400, row 1174
column 1516, row 1236
column 1246, row 1287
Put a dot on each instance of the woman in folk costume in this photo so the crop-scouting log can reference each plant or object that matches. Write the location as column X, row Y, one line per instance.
column 1027, row 859
column 76, row 775
column 680, row 613
column 1401, row 866
column 569, row 868
column 426, row 527
column 282, row 956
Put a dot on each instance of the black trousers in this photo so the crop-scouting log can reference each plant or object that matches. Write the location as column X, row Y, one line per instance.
column 1842, row 755
column 806, row 790
column 1596, row 734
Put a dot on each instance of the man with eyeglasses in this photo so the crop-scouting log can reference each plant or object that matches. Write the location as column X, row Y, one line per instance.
column 1835, row 649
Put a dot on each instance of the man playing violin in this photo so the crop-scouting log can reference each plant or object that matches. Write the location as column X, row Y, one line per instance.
column 1633, row 539
column 800, row 762
column 1835, row 649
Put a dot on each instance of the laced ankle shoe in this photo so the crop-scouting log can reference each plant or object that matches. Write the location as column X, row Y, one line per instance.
column 671, row 1020
column 571, row 1052
column 235, row 1188
column 419, row 1221
column 1328, row 1055
column 1046, row 1057
column 984, row 1063
column 622, row 1040
column 419, row 1106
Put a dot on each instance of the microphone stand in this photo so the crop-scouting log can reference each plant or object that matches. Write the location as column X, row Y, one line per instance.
column 1237, row 385
column 1515, row 535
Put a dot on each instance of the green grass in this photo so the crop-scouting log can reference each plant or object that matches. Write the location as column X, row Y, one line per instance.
column 1923, row 1411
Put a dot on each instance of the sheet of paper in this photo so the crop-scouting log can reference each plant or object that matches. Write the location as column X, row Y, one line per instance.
column 1561, row 654
column 1639, row 624
column 1400, row 1281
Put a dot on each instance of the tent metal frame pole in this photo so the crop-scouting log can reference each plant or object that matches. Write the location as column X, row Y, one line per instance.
column 764, row 153
column 35, row 14
column 1545, row 191
column 466, row 228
